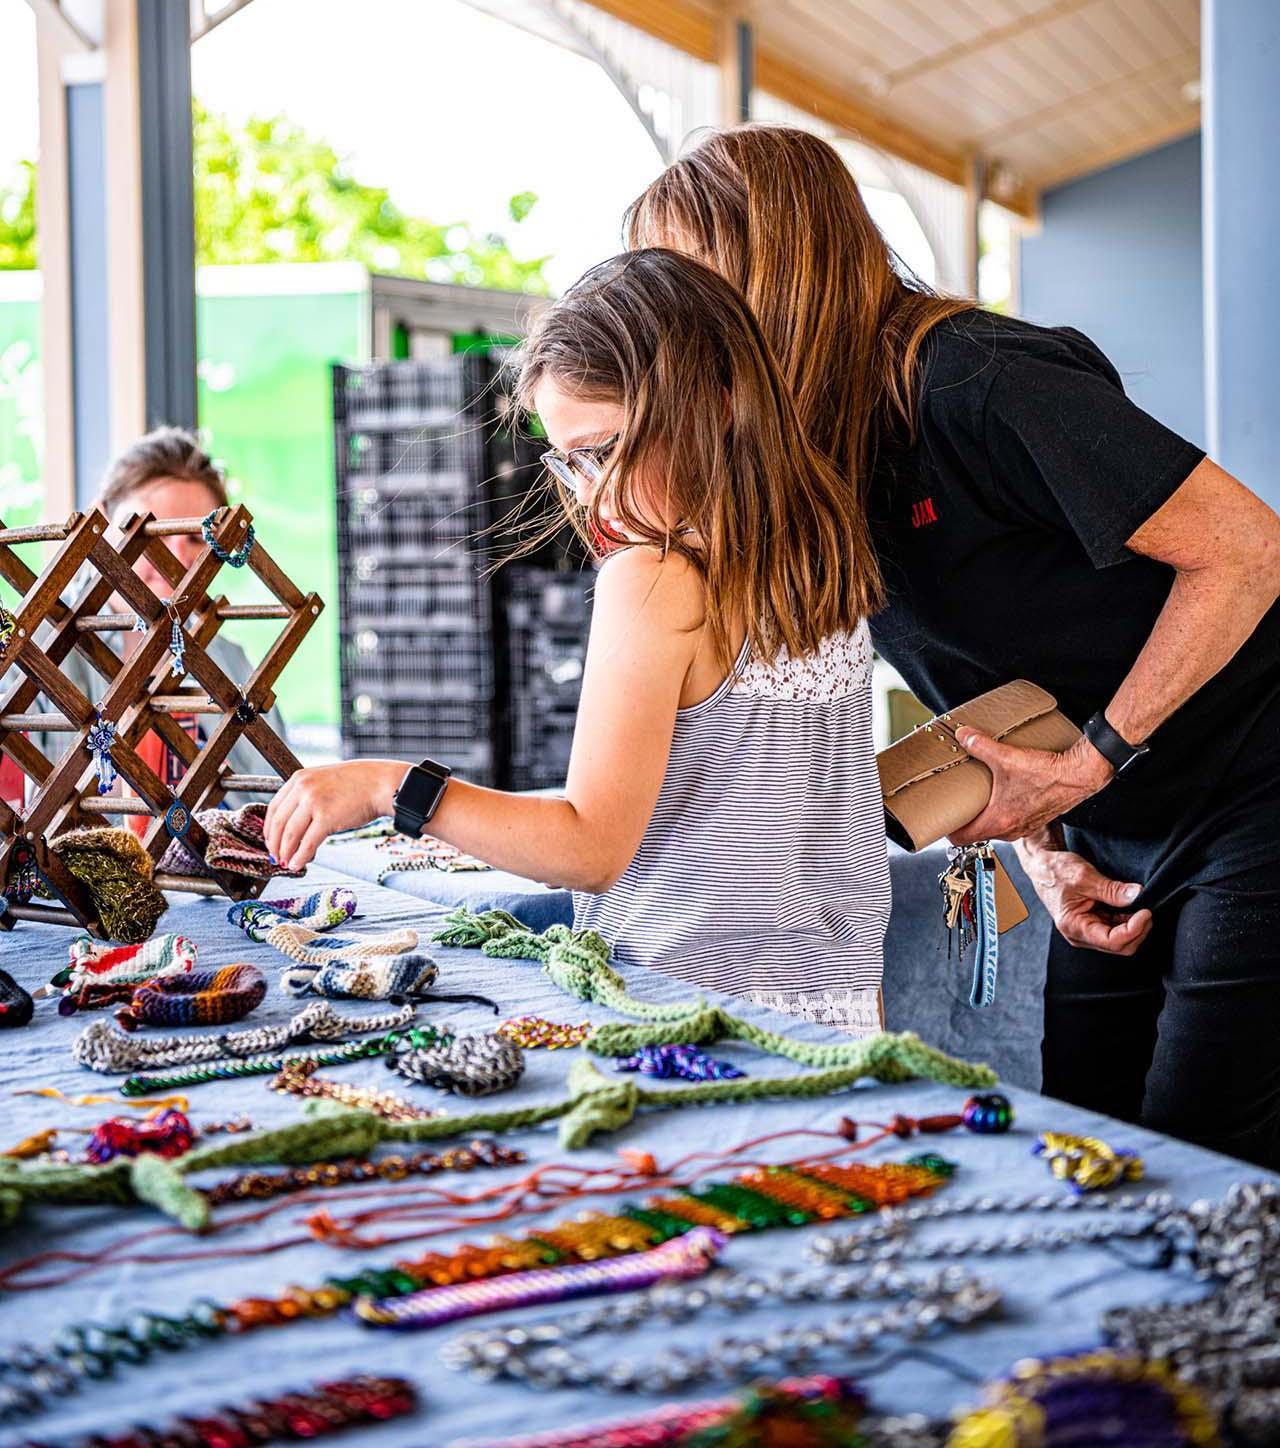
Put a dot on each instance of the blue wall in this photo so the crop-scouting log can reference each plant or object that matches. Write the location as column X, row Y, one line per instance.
column 1119, row 257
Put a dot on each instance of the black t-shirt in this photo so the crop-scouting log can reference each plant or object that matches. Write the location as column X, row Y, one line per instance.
column 1001, row 532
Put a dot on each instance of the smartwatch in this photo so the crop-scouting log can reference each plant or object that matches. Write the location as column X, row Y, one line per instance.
column 419, row 796
column 1113, row 747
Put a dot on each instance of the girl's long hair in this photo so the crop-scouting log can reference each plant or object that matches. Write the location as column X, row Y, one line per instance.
column 777, row 212
column 710, row 440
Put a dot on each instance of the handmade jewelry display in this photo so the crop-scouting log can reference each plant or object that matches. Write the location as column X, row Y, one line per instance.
column 476, row 1065
column 595, row 1103
column 298, row 1078
column 673, row 1261
column 289, row 1418
column 533, row 1032
column 1089, row 1164
column 102, row 1048
column 104, row 880
column 578, row 962
column 536, row 1354
column 261, row 1185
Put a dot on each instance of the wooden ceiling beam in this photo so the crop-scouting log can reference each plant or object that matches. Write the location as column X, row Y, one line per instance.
column 695, row 29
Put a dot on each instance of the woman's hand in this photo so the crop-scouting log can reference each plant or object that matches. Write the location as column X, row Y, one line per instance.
column 1081, row 900
column 1030, row 788
column 317, row 802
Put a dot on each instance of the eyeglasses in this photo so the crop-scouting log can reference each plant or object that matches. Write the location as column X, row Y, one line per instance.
column 587, row 463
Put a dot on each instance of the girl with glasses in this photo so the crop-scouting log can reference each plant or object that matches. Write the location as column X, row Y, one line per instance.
column 721, row 819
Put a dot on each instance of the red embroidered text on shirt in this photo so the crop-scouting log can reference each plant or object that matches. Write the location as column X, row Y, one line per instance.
column 923, row 513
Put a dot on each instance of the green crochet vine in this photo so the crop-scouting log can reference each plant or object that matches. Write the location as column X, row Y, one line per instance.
column 595, row 1103
column 578, row 962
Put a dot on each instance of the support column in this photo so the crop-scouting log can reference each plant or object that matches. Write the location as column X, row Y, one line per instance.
column 975, row 190
column 163, row 51
column 737, row 67
column 1240, row 46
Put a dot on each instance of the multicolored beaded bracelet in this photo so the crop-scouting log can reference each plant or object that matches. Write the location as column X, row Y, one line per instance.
column 672, row 1261
column 261, row 1185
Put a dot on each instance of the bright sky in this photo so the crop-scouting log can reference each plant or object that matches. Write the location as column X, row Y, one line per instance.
column 452, row 110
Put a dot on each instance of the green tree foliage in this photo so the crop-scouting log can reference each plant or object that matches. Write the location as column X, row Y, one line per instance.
column 268, row 192
column 18, row 221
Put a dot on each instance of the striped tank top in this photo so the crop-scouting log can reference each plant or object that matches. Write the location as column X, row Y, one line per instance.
column 764, row 869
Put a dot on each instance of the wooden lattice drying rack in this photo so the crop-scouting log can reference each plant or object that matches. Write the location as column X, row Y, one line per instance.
column 139, row 694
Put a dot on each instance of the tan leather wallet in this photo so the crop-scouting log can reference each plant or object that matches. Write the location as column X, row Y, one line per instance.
column 932, row 787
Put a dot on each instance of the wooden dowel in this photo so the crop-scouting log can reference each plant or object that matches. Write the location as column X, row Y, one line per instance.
column 107, row 622
column 185, row 704
column 50, row 914
column 39, row 532
column 173, row 527
column 116, row 804
column 253, row 610
column 192, row 884
column 252, row 783
column 52, row 723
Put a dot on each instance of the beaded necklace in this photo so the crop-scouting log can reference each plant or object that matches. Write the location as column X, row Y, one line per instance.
column 261, row 1185
column 298, row 1078
column 535, row 1354
column 327, row 1408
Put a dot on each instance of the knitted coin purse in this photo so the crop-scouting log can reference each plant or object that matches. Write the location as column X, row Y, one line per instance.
column 199, row 998
column 117, row 872
column 235, row 845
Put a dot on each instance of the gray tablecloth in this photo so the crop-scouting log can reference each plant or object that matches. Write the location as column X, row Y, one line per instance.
column 1052, row 1301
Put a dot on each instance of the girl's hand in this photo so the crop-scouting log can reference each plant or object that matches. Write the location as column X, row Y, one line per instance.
column 315, row 803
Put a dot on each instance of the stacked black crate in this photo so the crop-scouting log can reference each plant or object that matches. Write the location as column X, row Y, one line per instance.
column 442, row 655
column 416, row 611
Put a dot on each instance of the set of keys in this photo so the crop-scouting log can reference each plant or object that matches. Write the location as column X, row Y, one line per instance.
column 969, row 914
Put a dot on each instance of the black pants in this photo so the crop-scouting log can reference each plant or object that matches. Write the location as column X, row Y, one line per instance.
column 1183, row 1036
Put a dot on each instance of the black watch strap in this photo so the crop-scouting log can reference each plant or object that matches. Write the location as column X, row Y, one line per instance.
column 419, row 796
column 1113, row 747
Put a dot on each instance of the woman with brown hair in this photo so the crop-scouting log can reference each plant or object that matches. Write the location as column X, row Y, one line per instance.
column 721, row 819
column 1032, row 522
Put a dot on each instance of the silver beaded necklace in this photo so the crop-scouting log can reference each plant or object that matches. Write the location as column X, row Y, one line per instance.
column 950, row 1298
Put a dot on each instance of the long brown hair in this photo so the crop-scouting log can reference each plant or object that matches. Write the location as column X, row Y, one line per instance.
column 778, row 212
column 706, row 416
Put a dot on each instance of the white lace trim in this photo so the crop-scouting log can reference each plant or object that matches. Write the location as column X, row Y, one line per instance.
column 856, row 1012
column 840, row 667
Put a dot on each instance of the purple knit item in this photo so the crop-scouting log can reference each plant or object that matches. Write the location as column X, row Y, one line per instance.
column 686, row 1256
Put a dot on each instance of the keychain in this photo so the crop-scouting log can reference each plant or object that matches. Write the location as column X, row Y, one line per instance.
column 968, row 887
